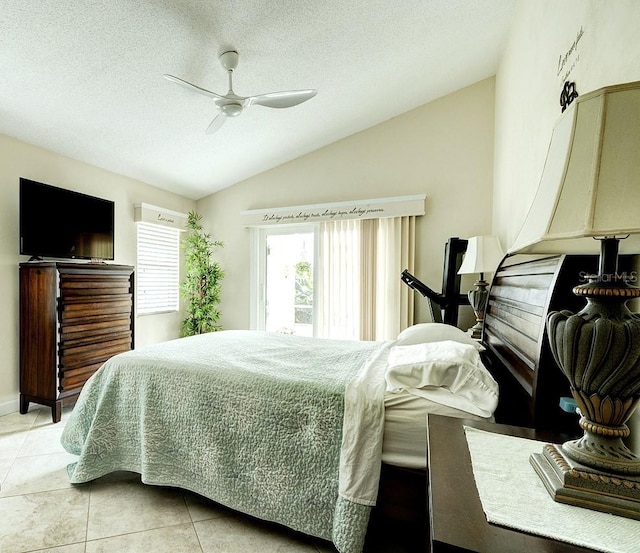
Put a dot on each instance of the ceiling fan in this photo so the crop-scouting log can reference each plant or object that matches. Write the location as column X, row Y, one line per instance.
column 232, row 105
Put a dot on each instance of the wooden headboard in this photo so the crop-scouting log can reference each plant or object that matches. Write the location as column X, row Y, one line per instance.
column 524, row 290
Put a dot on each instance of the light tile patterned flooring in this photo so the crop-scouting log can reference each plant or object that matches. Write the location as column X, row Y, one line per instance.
column 41, row 511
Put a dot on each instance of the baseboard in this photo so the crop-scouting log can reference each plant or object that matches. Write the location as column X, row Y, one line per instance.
column 8, row 407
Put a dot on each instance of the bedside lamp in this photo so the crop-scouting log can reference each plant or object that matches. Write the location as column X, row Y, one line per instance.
column 589, row 200
column 483, row 255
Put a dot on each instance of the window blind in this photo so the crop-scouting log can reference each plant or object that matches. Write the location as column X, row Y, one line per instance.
column 157, row 272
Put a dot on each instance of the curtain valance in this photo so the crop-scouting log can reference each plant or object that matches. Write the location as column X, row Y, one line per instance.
column 398, row 206
column 147, row 213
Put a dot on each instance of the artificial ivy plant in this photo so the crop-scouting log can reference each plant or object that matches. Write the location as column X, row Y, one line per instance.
column 202, row 283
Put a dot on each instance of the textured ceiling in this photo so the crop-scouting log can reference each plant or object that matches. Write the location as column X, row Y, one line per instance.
column 84, row 77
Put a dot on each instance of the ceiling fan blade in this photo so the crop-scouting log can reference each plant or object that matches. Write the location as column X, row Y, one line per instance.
column 193, row 87
column 217, row 122
column 281, row 99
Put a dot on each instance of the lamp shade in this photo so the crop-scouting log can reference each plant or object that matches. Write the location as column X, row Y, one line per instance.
column 590, row 185
column 483, row 255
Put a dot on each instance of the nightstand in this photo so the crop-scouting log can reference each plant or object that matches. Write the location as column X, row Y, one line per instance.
column 457, row 521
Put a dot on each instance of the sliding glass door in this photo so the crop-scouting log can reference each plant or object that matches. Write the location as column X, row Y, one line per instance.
column 285, row 280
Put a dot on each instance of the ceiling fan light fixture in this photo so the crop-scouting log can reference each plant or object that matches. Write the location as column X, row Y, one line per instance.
column 231, row 110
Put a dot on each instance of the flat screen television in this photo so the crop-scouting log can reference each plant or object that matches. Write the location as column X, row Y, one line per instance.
column 59, row 223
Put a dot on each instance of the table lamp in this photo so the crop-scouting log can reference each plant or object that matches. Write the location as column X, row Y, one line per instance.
column 483, row 255
column 588, row 200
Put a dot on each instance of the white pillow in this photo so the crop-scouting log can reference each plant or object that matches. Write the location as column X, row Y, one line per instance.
column 447, row 372
column 425, row 333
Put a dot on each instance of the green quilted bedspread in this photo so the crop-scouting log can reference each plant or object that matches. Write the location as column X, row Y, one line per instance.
column 251, row 420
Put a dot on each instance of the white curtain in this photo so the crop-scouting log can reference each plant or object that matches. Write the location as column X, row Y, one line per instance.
column 393, row 300
column 359, row 292
column 338, row 283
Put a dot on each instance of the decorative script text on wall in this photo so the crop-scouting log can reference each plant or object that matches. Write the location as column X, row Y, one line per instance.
column 568, row 61
column 327, row 214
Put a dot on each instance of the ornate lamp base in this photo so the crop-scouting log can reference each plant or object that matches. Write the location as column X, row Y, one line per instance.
column 602, row 448
column 598, row 350
column 478, row 300
column 576, row 484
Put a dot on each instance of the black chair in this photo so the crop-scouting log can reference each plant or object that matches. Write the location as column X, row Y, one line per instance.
column 444, row 305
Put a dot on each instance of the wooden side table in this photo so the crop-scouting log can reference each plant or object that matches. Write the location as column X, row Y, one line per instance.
column 457, row 521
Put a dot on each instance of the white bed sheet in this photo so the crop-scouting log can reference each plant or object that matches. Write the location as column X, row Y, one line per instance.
column 405, row 427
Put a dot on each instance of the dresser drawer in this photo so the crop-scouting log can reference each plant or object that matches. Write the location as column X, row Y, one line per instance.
column 83, row 329
column 78, row 355
column 71, row 379
column 93, row 306
column 72, row 285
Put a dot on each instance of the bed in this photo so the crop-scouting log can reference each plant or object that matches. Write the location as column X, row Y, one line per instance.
column 315, row 434
column 284, row 428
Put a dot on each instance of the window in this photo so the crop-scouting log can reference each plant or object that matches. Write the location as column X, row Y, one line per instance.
column 286, row 260
column 338, row 279
column 158, row 271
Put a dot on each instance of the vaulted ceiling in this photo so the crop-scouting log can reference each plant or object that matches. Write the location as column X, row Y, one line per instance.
column 85, row 78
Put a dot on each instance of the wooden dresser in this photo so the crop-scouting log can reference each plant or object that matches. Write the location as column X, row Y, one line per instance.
column 73, row 317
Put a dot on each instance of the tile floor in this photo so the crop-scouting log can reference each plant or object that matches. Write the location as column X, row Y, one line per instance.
column 41, row 511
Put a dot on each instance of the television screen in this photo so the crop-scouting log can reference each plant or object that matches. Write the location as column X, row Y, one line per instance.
column 59, row 223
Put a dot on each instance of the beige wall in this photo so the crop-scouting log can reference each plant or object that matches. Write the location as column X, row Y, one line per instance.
column 443, row 149
column 18, row 159
column 528, row 86
column 529, row 82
